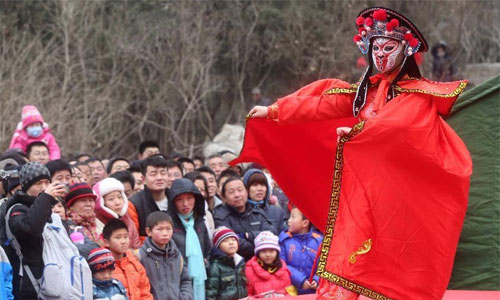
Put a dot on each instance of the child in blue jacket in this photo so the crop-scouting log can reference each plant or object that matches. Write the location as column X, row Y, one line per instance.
column 5, row 277
column 299, row 245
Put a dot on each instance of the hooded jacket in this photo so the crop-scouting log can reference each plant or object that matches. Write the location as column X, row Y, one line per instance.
column 104, row 214
column 247, row 225
column 226, row 277
column 274, row 213
column 133, row 277
column 182, row 186
column 299, row 252
column 260, row 281
column 166, row 271
column 27, row 222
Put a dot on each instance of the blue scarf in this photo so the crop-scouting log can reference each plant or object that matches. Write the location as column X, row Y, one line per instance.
column 196, row 263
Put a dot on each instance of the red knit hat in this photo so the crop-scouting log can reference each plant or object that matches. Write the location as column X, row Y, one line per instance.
column 78, row 191
column 30, row 115
column 222, row 233
column 101, row 259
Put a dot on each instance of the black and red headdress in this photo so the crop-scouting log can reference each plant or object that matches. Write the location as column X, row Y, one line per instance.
column 376, row 22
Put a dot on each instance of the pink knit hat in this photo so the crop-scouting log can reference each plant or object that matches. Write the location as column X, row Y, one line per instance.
column 266, row 240
column 30, row 115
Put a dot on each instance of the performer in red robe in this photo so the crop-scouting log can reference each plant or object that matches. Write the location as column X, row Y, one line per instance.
column 391, row 194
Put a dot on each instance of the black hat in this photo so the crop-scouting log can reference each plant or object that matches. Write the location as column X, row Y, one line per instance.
column 31, row 173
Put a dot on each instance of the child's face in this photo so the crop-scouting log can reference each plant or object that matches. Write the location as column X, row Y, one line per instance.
column 229, row 246
column 297, row 223
column 184, row 203
column 268, row 255
column 114, row 201
column 118, row 241
column 104, row 275
column 161, row 233
column 59, row 209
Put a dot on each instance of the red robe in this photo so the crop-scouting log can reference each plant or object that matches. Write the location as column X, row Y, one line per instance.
column 390, row 197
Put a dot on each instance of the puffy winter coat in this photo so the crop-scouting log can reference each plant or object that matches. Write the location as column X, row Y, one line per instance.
column 27, row 222
column 109, row 290
column 166, row 271
column 226, row 277
column 299, row 252
column 21, row 140
column 5, row 277
column 274, row 213
column 247, row 225
column 133, row 276
column 260, row 281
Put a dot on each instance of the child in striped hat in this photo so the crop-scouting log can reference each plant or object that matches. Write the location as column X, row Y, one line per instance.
column 226, row 275
column 102, row 264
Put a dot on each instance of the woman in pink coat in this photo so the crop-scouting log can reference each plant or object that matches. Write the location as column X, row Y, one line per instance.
column 31, row 129
column 267, row 274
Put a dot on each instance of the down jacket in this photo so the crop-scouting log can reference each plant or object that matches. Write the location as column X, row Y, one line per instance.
column 260, row 281
column 299, row 252
column 133, row 277
column 226, row 277
column 247, row 225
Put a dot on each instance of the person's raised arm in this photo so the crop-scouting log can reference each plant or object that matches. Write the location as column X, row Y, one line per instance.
column 320, row 100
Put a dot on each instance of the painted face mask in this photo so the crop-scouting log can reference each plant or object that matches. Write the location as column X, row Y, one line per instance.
column 387, row 54
column 34, row 131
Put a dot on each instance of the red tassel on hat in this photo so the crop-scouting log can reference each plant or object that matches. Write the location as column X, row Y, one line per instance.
column 360, row 21
column 408, row 36
column 413, row 42
column 356, row 38
column 369, row 22
column 380, row 15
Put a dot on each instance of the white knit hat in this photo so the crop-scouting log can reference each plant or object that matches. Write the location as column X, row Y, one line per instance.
column 266, row 240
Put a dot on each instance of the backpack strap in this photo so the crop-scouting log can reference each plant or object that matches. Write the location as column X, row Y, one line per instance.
column 12, row 241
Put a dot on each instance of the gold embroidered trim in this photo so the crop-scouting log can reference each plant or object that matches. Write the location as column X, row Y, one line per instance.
column 272, row 111
column 365, row 248
column 352, row 89
column 455, row 93
column 330, row 224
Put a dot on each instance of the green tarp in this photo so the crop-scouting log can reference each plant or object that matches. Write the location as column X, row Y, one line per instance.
column 476, row 119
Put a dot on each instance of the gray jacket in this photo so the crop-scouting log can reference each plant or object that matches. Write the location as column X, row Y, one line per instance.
column 167, row 272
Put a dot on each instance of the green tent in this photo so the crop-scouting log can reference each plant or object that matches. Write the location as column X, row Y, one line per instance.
column 476, row 119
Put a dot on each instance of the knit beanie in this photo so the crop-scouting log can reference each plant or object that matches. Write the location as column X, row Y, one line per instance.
column 266, row 240
column 78, row 191
column 222, row 233
column 30, row 115
column 101, row 259
column 31, row 173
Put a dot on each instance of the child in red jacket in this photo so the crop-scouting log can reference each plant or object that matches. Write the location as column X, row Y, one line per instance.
column 267, row 274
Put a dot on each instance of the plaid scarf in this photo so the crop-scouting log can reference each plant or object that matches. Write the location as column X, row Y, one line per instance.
column 87, row 225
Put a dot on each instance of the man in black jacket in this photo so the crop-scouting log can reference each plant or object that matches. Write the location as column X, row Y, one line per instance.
column 238, row 215
column 32, row 209
column 153, row 197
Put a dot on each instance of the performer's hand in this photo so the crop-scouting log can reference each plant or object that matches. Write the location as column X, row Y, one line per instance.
column 342, row 131
column 258, row 112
